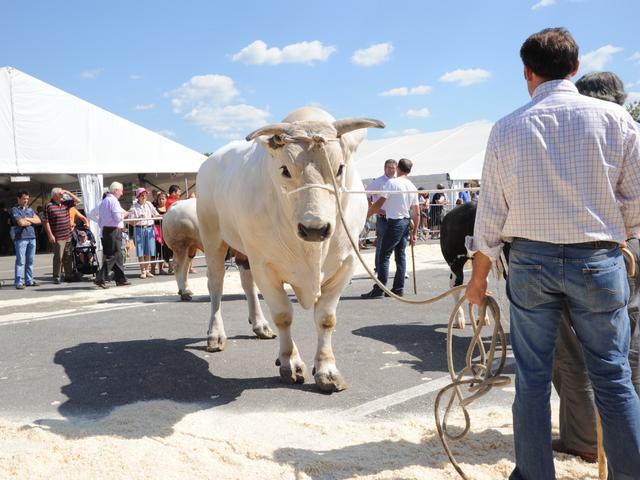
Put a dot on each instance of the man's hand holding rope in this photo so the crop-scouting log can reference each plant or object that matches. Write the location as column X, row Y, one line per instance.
column 477, row 286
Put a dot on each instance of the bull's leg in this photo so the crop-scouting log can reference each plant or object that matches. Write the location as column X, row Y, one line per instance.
column 216, row 336
column 325, row 372
column 258, row 323
column 181, row 262
column 292, row 368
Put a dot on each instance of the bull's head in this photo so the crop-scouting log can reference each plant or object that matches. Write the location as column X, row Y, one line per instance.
column 304, row 153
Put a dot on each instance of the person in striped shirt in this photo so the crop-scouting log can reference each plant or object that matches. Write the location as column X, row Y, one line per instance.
column 57, row 225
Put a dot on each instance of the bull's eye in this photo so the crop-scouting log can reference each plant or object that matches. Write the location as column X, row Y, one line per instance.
column 340, row 169
column 285, row 172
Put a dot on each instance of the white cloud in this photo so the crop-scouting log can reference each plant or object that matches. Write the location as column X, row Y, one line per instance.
column 404, row 91
column 230, row 121
column 166, row 133
column 635, row 57
column 214, row 89
column 373, row 55
column 543, row 3
column 258, row 53
column 466, row 77
column 398, row 133
column 632, row 97
column 206, row 101
column 144, row 106
column 597, row 59
column 421, row 113
column 91, row 74
column 632, row 84
column 133, row 76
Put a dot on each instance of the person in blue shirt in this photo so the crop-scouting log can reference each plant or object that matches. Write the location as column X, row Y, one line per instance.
column 464, row 195
column 23, row 218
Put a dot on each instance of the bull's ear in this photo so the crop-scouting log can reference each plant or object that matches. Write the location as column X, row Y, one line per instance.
column 347, row 125
column 273, row 129
column 350, row 141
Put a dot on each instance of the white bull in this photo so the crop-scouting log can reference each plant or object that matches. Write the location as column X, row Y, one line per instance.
column 270, row 198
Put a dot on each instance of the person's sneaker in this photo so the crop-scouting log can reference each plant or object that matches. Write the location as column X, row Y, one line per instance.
column 399, row 293
column 143, row 275
column 150, row 275
column 102, row 285
column 20, row 287
column 33, row 284
column 560, row 447
column 122, row 284
column 57, row 281
column 374, row 293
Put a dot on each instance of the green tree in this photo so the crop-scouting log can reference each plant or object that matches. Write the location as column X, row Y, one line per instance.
column 634, row 110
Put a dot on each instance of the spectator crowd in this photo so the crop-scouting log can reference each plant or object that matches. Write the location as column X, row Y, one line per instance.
column 64, row 229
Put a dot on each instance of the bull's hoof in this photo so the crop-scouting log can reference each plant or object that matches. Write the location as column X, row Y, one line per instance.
column 330, row 381
column 263, row 331
column 293, row 375
column 185, row 297
column 216, row 344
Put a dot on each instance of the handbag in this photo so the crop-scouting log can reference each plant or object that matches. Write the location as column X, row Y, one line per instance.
column 157, row 232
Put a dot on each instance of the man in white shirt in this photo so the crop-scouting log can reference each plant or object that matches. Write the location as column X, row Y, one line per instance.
column 584, row 155
column 381, row 217
column 400, row 208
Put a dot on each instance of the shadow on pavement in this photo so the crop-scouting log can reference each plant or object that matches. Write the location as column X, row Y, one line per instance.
column 427, row 343
column 104, row 376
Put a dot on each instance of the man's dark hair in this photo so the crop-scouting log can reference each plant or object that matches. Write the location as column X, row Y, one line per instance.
column 405, row 165
column 603, row 85
column 466, row 184
column 173, row 188
column 551, row 53
column 20, row 193
column 390, row 161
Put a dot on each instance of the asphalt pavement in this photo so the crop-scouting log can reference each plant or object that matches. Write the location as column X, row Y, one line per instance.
column 65, row 355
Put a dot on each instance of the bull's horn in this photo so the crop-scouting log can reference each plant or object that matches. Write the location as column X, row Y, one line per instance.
column 273, row 129
column 349, row 124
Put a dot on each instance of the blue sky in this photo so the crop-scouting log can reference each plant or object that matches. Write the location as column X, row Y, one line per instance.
column 204, row 72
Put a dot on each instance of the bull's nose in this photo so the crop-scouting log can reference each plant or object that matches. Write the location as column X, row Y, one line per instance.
column 314, row 234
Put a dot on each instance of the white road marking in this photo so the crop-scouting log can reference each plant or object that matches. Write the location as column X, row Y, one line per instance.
column 86, row 310
column 402, row 396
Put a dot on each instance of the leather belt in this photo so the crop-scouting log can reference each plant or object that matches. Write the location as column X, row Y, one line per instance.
column 597, row 244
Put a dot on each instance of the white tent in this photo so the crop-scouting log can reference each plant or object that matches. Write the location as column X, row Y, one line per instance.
column 456, row 154
column 44, row 130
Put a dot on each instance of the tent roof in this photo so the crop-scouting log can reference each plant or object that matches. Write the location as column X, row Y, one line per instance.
column 458, row 152
column 45, row 130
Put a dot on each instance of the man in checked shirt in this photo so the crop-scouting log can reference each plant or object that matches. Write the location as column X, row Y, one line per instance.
column 585, row 154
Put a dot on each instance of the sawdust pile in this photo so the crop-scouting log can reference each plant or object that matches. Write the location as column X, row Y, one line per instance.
column 257, row 446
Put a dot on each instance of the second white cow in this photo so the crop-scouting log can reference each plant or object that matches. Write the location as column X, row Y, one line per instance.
column 271, row 198
column 181, row 234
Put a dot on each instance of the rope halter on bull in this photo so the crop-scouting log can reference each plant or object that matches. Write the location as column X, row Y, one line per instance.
column 482, row 371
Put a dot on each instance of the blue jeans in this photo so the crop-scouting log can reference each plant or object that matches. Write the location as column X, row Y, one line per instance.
column 381, row 227
column 394, row 240
column 592, row 284
column 25, row 255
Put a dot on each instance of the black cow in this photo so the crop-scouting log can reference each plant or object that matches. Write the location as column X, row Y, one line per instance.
column 456, row 225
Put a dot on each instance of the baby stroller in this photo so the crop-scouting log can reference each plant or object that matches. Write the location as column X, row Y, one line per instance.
column 84, row 258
